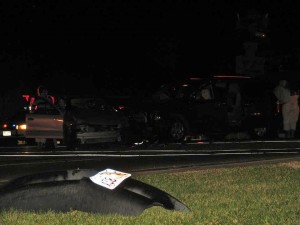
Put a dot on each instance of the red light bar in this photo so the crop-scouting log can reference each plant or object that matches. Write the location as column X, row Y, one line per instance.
column 26, row 97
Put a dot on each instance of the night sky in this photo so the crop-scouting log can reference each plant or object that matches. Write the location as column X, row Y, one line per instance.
column 61, row 42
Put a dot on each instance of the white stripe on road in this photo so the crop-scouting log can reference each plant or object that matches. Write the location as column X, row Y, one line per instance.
column 4, row 181
column 149, row 155
column 65, row 153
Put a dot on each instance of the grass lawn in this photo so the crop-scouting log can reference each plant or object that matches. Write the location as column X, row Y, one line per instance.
column 266, row 194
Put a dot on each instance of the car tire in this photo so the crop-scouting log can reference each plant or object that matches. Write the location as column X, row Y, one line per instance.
column 70, row 137
column 127, row 136
column 177, row 130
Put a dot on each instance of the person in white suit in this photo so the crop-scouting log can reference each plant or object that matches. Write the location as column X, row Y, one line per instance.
column 290, row 108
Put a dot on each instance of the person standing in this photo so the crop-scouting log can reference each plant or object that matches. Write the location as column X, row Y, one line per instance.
column 42, row 92
column 43, row 102
column 290, row 109
column 234, row 100
column 43, row 99
column 290, row 124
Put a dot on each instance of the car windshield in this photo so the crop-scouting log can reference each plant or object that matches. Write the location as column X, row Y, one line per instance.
column 88, row 103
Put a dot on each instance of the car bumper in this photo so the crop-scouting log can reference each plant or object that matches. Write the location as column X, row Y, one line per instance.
column 8, row 137
column 99, row 137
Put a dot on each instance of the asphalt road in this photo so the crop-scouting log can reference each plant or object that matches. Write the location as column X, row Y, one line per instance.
column 23, row 160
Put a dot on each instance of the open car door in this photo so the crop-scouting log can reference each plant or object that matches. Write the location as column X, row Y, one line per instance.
column 44, row 122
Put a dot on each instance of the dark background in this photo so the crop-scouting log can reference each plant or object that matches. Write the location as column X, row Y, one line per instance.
column 89, row 45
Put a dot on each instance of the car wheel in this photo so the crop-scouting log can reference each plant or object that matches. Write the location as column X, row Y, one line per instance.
column 126, row 136
column 70, row 139
column 178, row 130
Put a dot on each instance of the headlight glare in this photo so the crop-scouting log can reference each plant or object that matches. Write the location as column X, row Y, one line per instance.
column 21, row 127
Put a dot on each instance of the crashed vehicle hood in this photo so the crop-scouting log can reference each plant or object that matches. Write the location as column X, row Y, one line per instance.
column 101, row 117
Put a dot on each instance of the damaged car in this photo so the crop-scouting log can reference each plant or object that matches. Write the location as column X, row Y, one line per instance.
column 213, row 106
column 76, row 120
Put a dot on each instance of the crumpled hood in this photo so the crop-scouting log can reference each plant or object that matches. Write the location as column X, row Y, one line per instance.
column 101, row 117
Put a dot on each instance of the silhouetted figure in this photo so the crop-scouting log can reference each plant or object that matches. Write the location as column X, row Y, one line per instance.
column 42, row 103
column 42, row 99
column 290, row 108
column 235, row 102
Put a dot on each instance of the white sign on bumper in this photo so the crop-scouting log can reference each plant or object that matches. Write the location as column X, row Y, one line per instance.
column 6, row 133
